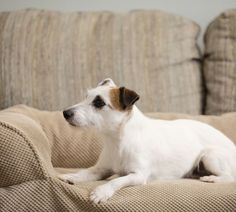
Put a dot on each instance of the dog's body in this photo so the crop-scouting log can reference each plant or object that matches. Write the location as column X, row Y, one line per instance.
column 140, row 149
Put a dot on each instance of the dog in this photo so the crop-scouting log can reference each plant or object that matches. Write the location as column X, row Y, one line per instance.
column 140, row 149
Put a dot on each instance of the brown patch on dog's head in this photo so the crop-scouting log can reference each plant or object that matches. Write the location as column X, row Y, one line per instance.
column 123, row 98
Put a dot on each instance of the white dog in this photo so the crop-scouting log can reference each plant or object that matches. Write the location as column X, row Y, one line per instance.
column 140, row 149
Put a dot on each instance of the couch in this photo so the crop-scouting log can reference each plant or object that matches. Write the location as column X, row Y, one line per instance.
column 49, row 58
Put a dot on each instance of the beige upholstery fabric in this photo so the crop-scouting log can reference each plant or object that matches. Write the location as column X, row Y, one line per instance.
column 57, row 137
column 49, row 59
column 37, row 136
column 220, row 64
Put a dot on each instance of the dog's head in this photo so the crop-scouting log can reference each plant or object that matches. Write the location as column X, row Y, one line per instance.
column 104, row 106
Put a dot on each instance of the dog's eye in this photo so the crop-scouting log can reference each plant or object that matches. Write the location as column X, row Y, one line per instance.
column 98, row 102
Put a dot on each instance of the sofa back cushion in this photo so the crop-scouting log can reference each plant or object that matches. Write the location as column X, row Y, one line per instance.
column 49, row 59
column 75, row 147
column 220, row 64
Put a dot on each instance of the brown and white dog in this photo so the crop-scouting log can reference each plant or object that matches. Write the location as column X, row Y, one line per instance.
column 140, row 149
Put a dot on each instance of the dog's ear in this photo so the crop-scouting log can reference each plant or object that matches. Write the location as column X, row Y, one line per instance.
column 107, row 82
column 127, row 98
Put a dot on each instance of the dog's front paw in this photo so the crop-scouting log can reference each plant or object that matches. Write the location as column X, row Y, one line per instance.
column 101, row 193
column 72, row 178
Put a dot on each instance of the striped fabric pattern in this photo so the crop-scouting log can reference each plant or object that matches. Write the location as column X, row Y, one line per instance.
column 49, row 59
column 220, row 64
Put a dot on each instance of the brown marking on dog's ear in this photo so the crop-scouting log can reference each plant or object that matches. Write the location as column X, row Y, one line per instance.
column 127, row 97
column 123, row 98
column 115, row 98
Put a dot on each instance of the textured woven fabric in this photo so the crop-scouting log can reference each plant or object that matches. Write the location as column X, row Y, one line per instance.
column 49, row 59
column 24, row 148
column 41, row 135
column 174, row 196
column 220, row 64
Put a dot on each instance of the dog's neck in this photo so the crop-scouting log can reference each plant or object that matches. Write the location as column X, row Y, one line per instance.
column 134, row 117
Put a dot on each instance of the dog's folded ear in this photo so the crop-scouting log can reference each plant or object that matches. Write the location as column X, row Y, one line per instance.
column 107, row 82
column 127, row 98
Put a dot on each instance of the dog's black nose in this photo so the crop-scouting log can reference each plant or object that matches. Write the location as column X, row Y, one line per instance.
column 68, row 114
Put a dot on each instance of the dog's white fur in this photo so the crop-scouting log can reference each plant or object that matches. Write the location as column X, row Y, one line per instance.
column 140, row 149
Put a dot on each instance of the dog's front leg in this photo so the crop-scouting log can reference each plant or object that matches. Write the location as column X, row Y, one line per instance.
column 99, row 171
column 90, row 174
column 105, row 191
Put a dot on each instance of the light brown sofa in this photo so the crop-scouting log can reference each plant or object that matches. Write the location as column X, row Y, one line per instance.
column 48, row 59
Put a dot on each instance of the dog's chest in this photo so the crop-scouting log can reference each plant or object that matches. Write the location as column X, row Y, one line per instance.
column 122, row 160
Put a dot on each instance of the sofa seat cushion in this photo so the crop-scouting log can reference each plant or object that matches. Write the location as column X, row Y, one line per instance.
column 181, row 195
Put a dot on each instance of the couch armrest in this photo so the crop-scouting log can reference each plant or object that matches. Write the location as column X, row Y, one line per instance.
column 24, row 150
